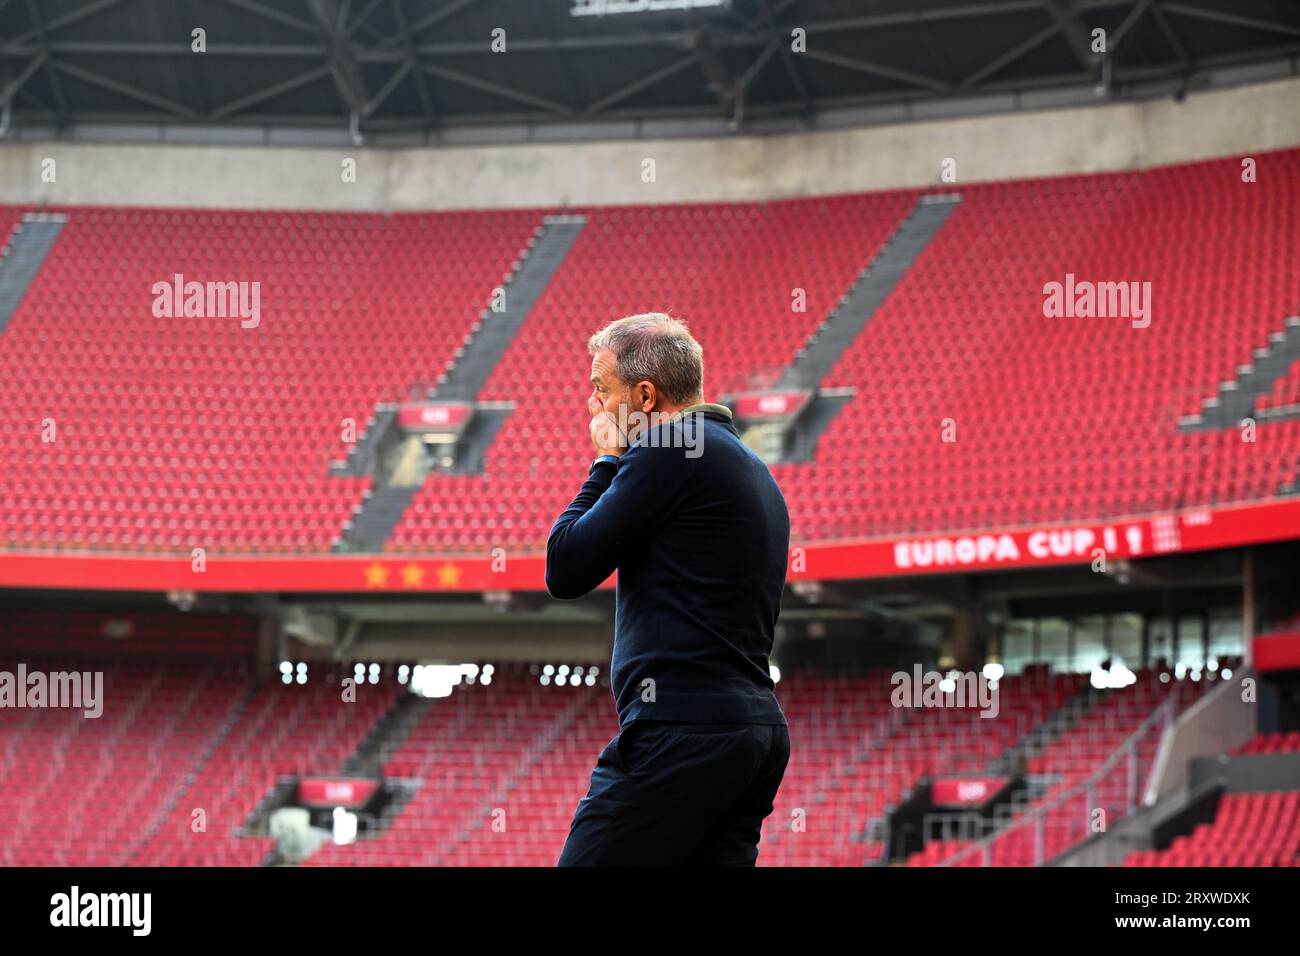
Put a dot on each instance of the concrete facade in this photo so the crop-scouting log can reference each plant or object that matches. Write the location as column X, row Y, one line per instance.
column 1236, row 121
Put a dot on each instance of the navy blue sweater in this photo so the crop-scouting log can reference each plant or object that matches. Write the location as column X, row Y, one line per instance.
column 699, row 533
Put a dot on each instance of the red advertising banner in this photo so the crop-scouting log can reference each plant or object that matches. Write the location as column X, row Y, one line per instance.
column 1276, row 652
column 433, row 416
column 867, row 558
column 769, row 405
column 966, row 791
column 349, row 792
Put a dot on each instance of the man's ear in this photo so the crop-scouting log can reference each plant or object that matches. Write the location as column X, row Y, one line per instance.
column 646, row 396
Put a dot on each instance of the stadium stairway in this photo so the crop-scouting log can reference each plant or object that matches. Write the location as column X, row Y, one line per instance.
column 21, row 259
column 849, row 318
column 851, row 315
column 1238, row 398
column 374, row 517
column 1041, row 737
column 364, row 451
column 383, row 505
column 386, row 737
column 492, row 334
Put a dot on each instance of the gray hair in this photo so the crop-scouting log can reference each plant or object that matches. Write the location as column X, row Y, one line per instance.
column 654, row 347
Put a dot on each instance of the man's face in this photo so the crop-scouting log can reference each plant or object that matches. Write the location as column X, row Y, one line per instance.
column 607, row 388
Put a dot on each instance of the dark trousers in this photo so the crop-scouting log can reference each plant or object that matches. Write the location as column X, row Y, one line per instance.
column 666, row 793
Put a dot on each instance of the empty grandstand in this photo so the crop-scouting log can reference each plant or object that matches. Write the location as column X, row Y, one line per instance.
column 290, row 399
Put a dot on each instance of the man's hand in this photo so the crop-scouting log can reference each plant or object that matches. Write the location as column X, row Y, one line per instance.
column 605, row 434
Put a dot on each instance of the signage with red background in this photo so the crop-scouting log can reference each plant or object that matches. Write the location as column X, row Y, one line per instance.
column 966, row 791
column 349, row 792
column 850, row 559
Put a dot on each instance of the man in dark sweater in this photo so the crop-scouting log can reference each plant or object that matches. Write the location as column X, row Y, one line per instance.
column 698, row 531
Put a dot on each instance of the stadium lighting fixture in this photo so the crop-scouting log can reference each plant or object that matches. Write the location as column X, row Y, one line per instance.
column 774, row 672
column 345, row 827
column 604, row 8
column 993, row 671
column 1116, row 677
column 436, row 680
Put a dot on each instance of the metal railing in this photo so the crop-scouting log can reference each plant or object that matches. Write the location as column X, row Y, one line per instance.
column 1113, row 790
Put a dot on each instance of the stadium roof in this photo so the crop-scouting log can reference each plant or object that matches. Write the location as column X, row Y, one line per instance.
column 415, row 71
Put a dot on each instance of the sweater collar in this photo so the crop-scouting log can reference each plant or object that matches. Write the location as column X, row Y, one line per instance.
column 706, row 408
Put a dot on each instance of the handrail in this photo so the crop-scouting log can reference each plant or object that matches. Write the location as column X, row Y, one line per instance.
column 1163, row 712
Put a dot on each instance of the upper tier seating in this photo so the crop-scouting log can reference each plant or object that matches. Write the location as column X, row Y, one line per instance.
column 185, row 432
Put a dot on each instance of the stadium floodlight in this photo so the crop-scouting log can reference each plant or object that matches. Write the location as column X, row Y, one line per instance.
column 286, row 667
column 604, row 8
column 1116, row 677
column 488, row 670
column 774, row 672
column 345, row 827
column 545, row 679
column 993, row 671
column 436, row 680
column 1121, row 676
